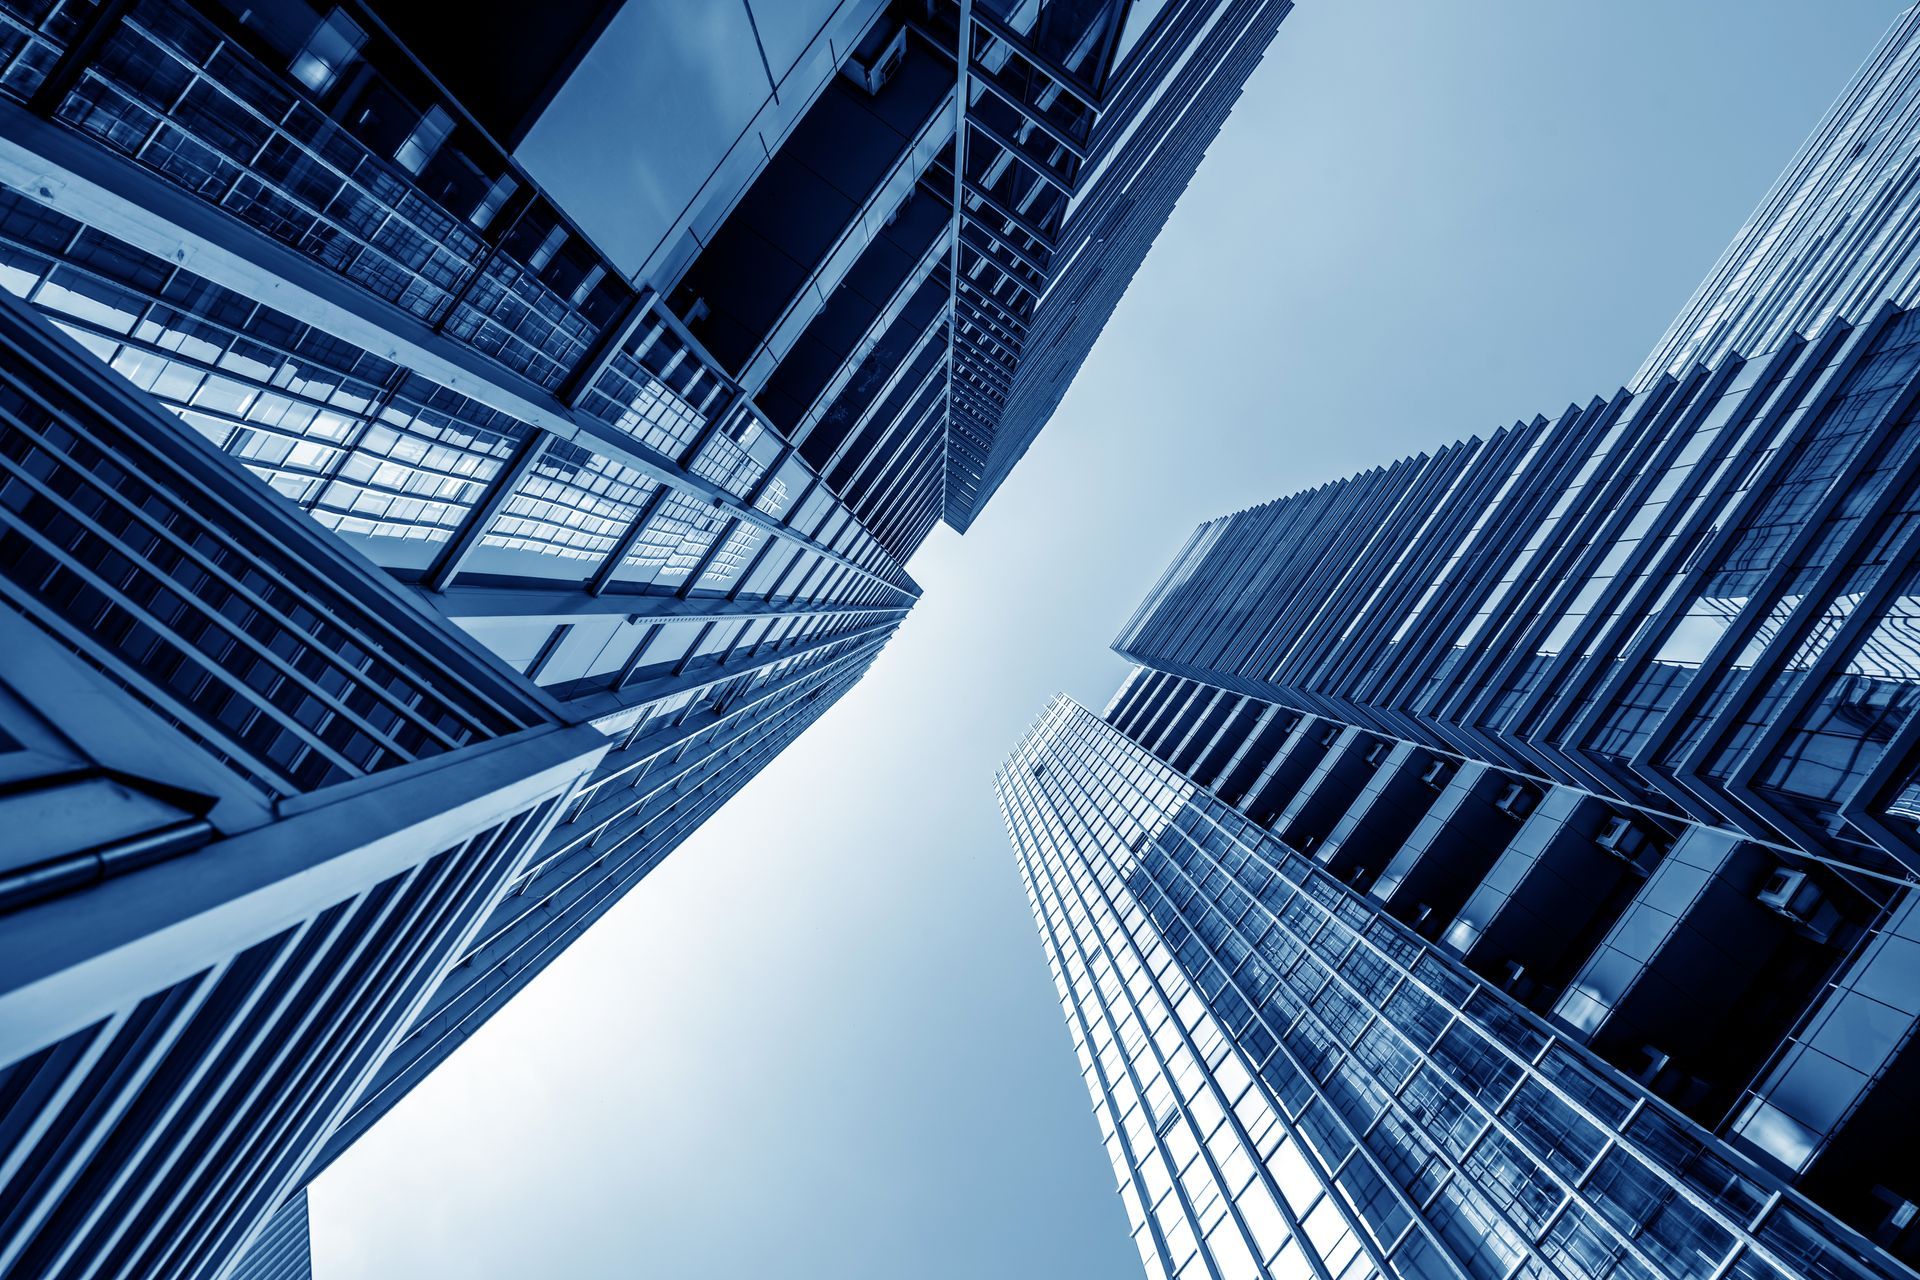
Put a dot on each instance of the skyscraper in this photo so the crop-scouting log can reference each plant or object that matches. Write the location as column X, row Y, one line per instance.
column 1505, row 861
column 597, row 371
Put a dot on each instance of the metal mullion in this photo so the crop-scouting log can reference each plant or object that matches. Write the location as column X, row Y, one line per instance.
column 623, row 546
column 1480, row 543
column 1038, row 835
column 904, row 427
column 1100, row 791
column 389, row 392
column 991, row 82
column 1265, row 564
column 1424, row 529
column 1379, row 506
column 926, row 518
column 1004, row 240
column 1473, row 542
column 244, row 1010
column 1794, row 626
column 1023, row 223
column 979, row 358
column 986, row 334
column 1826, row 377
column 1391, row 1094
column 1639, row 422
column 802, row 645
column 188, row 551
column 389, row 210
column 754, row 491
column 979, row 402
column 882, row 467
column 80, row 53
column 485, row 510
column 603, row 349
column 342, row 449
column 982, row 298
column 632, row 663
column 1861, row 803
column 767, row 545
column 228, row 742
column 1612, row 607
column 1901, row 556
column 787, row 572
column 908, row 500
column 981, row 379
column 1067, row 81
column 1027, row 160
column 987, row 322
column 75, row 1071
column 168, row 453
column 692, row 486
column 710, row 428
column 763, row 730
column 1609, row 510
column 1587, row 429
column 707, row 557
column 1458, row 1015
column 408, row 951
column 127, row 1080
column 1254, row 555
column 929, row 494
column 927, row 340
column 1004, row 275
column 259, row 699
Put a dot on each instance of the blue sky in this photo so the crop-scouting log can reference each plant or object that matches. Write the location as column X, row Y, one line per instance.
column 821, row 1039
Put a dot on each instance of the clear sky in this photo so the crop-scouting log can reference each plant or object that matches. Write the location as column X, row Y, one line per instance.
column 821, row 1041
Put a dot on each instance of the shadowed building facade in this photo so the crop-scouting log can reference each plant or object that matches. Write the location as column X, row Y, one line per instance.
column 1504, row 862
column 488, row 444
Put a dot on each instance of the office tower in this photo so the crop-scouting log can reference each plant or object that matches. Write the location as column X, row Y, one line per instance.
column 1503, row 862
column 258, row 804
column 598, row 367
column 1292, row 1082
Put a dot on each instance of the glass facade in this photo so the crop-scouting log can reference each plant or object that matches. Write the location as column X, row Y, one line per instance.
column 1508, row 859
column 1290, row 1082
column 651, row 501
column 257, row 806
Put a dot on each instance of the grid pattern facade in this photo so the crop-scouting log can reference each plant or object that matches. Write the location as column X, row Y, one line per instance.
column 1035, row 156
column 256, row 808
column 676, row 508
column 1290, row 1082
column 1598, row 733
column 912, row 346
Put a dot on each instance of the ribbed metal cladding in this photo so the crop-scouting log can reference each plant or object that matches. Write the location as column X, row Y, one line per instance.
column 284, row 1251
column 1696, row 560
column 184, row 1021
column 150, row 1143
column 1606, row 723
column 1624, row 721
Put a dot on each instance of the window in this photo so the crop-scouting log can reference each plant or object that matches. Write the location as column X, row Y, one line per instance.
column 331, row 49
column 425, row 140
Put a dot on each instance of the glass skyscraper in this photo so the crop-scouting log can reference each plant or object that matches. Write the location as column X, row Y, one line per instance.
column 1504, row 862
column 441, row 462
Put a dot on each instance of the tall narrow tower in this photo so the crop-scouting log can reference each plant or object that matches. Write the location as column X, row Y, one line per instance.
column 1505, row 862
